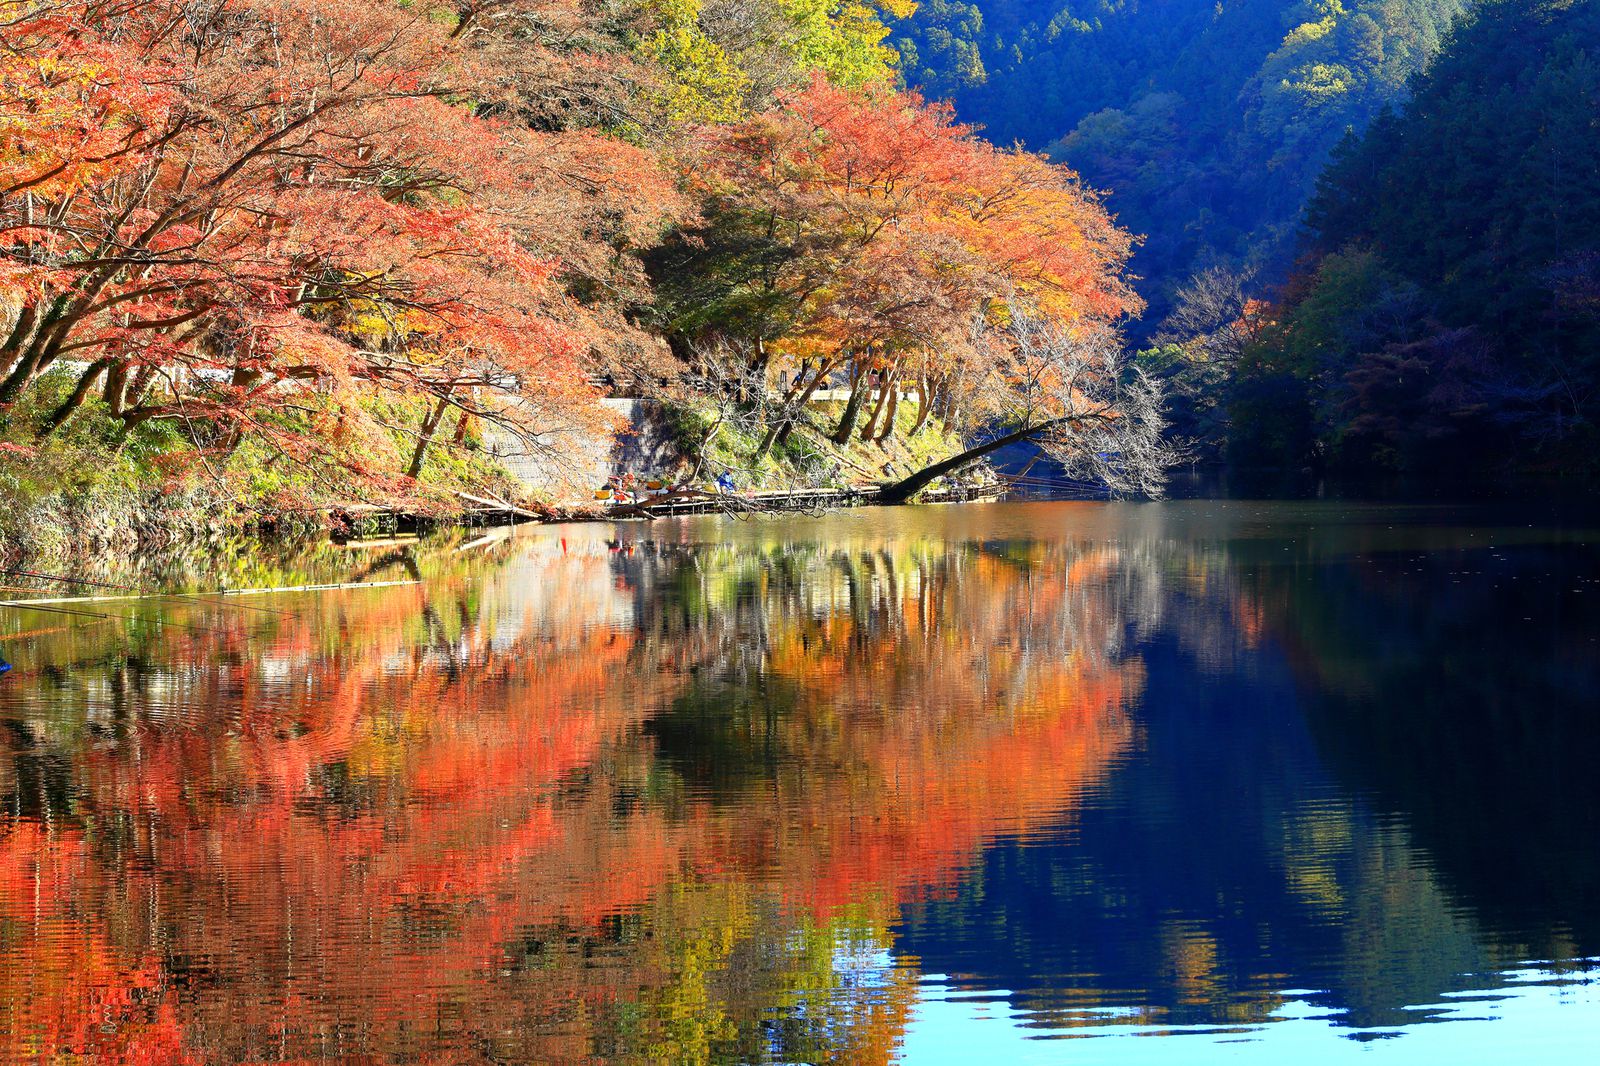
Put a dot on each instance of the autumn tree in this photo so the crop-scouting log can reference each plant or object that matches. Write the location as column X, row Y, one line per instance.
column 867, row 233
column 720, row 60
column 248, row 216
column 1081, row 399
column 1197, row 351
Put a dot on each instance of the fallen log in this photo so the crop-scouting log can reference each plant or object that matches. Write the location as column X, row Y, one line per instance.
column 496, row 504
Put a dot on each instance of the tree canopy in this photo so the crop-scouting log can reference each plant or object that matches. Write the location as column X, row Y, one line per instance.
column 266, row 222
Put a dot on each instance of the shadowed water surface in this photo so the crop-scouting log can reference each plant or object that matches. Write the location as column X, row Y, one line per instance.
column 982, row 783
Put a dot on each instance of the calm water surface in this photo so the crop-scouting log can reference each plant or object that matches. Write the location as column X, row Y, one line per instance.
column 1305, row 782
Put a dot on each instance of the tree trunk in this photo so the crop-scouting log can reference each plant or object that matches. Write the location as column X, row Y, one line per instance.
column 787, row 409
column 18, row 379
column 242, row 379
column 30, row 340
column 38, row 345
column 885, row 388
column 116, row 382
column 870, row 428
column 805, row 397
column 852, row 410
column 886, row 430
column 430, row 424
column 140, row 385
column 901, row 491
column 756, row 375
column 17, row 340
column 944, row 400
column 924, row 406
column 75, row 399
column 135, row 418
column 770, row 438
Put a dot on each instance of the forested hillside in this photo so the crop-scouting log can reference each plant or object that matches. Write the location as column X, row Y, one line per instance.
column 1207, row 121
column 1448, row 311
column 294, row 255
column 288, row 255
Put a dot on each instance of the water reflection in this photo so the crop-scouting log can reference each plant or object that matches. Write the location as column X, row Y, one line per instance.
column 728, row 792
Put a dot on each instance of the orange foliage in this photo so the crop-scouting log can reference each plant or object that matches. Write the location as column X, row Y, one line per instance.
column 903, row 229
column 237, row 205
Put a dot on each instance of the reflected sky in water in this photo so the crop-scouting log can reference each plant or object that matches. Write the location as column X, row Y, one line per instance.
column 1017, row 782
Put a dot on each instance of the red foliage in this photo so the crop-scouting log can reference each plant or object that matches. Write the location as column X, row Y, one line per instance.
column 903, row 228
column 289, row 194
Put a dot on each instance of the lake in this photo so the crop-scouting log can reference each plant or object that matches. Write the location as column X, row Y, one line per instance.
column 1030, row 782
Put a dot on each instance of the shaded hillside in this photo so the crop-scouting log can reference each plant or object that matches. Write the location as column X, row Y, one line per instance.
column 1449, row 308
column 1208, row 122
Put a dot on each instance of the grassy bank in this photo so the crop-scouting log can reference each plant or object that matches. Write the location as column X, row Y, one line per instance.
column 808, row 458
column 95, row 484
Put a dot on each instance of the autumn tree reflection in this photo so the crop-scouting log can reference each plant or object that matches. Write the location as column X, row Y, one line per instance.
column 563, row 798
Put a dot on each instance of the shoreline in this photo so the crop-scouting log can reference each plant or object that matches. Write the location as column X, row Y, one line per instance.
column 736, row 505
column 130, row 523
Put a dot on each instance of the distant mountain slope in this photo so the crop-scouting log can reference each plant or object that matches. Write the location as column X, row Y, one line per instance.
column 1446, row 311
column 1207, row 119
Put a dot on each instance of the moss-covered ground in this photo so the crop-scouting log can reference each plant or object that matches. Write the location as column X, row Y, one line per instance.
column 95, row 484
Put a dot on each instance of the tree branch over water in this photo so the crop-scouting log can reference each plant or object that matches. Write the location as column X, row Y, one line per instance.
column 1082, row 401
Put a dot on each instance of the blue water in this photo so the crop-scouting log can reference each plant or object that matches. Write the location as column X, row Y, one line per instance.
column 1189, row 782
